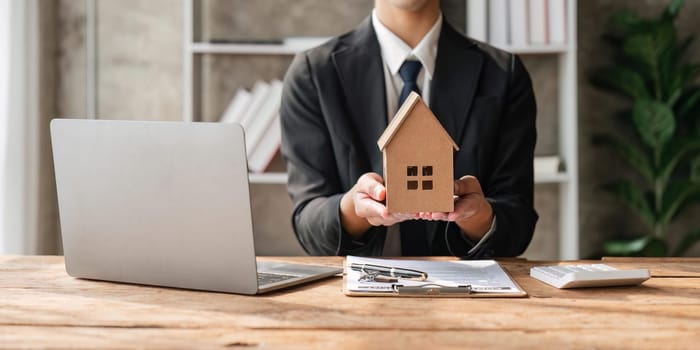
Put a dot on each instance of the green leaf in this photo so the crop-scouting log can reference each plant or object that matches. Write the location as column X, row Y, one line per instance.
column 675, row 82
column 621, row 80
column 654, row 121
column 634, row 198
column 687, row 242
column 688, row 102
column 673, row 152
column 626, row 246
column 673, row 8
column 626, row 23
column 695, row 169
column 664, row 36
column 642, row 49
column 655, row 247
column 642, row 246
column 677, row 194
column 629, row 153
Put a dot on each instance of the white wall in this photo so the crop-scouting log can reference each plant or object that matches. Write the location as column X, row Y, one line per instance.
column 18, row 186
column 4, row 106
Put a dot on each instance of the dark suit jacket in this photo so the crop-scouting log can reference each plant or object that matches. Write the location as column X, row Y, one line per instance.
column 334, row 110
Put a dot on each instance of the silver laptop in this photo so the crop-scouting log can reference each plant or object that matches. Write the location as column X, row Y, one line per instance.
column 162, row 203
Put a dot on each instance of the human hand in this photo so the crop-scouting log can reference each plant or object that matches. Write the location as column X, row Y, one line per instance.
column 361, row 207
column 472, row 212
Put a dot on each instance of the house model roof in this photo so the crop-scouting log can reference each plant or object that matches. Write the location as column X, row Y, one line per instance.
column 403, row 113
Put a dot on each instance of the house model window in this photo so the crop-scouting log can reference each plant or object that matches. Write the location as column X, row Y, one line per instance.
column 425, row 179
column 418, row 161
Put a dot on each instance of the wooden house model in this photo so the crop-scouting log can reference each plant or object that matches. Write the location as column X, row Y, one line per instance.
column 418, row 160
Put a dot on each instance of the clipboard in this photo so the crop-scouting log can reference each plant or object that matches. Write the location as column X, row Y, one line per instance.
column 445, row 279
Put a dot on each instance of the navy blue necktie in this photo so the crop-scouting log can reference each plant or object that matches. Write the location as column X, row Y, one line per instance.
column 409, row 73
column 414, row 241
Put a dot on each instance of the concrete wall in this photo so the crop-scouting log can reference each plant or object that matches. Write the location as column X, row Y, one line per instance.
column 47, row 209
column 140, row 72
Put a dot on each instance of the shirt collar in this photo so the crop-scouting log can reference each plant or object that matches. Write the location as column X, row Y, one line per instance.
column 395, row 51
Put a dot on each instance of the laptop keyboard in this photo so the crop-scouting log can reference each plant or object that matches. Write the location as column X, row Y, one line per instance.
column 267, row 278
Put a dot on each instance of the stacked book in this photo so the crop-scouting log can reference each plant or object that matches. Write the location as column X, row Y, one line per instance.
column 518, row 24
column 257, row 111
column 547, row 165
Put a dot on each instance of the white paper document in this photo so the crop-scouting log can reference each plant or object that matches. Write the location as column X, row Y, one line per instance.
column 481, row 276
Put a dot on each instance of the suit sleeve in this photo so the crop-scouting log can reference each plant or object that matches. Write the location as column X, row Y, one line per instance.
column 509, row 183
column 314, row 182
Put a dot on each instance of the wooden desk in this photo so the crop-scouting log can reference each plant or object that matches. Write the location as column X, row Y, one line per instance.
column 41, row 307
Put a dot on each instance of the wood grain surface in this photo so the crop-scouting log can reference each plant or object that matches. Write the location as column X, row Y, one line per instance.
column 43, row 308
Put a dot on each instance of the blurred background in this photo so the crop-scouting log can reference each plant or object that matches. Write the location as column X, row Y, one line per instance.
column 607, row 75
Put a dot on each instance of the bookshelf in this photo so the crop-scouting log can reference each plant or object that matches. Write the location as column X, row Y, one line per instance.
column 567, row 117
column 288, row 47
column 566, row 179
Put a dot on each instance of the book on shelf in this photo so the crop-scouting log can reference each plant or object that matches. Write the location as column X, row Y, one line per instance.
column 235, row 109
column 477, row 15
column 518, row 23
column 499, row 22
column 269, row 145
column 258, row 113
column 547, row 165
column 538, row 22
column 258, row 97
column 557, row 21
column 264, row 117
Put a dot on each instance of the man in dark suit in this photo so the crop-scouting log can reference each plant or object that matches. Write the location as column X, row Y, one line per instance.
column 337, row 101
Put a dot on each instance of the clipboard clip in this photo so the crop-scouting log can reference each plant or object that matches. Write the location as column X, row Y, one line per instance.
column 432, row 289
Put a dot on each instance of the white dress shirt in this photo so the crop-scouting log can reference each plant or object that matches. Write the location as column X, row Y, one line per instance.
column 394, row 52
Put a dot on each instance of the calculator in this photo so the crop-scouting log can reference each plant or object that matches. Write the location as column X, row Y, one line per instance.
column 588, row 275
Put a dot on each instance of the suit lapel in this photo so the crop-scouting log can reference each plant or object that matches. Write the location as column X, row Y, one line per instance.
column 457, row 71
column 359, row 67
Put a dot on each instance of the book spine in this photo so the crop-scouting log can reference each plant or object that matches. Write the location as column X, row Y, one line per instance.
column 557, row 21
column 257, row 99
column 267, row 149
column 538, row 22
column 264, row 117
column 519, row 30
column 547, row 164
column 236, row 107
column 498, row 23
column 477, row 13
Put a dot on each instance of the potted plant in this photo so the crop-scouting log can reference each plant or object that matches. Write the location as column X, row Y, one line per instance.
column 659, row 136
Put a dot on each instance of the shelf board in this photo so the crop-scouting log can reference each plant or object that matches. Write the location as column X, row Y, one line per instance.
column 281, row 178
column 268, row 178
column 560, row 177
column 290, row 46
column 537, row 49
column 294, row 45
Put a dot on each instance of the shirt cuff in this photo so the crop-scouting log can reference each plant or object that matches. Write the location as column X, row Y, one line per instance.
column 485, row 238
